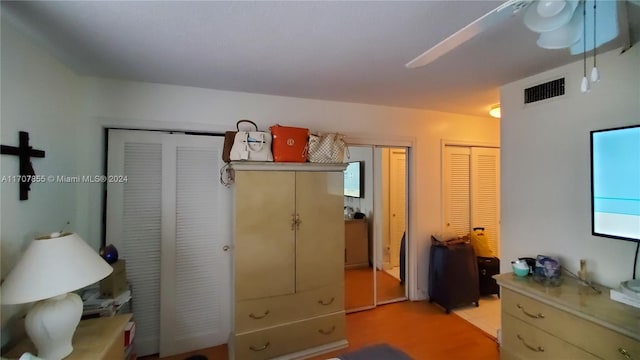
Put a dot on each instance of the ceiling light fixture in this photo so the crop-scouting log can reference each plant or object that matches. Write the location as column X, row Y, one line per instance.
column 495, row 111
column 584, row 86
column 595, row 75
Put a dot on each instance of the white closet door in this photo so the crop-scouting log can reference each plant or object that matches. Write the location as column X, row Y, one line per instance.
column 456, row 190
column 134, row 218
column 397, row 201
column 471, row 191
column 485, row 194
column 180, row 280
column 196, row 275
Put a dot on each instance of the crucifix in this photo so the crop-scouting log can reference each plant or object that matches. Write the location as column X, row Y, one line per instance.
column 25, row 153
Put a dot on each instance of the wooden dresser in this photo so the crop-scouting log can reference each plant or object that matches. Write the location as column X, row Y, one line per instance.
column 570, row 321
column 94, row 339
column 356, row 242
column 288, row 261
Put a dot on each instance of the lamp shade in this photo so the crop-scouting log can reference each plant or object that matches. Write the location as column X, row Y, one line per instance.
column 53, row 265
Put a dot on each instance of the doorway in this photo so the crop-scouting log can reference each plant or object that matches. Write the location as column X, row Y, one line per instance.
column 381, row 278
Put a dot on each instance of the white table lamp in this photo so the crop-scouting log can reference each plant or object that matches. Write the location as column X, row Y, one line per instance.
column 52, row 267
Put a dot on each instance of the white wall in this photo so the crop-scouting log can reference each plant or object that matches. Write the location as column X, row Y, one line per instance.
column 42, row 97
column 546, row 166
column 141, row 105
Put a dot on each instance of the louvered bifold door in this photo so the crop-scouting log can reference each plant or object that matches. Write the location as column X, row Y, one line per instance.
column 456, row 190
column 196, row 274
column 485, row 194
column 134, row 218
column 170, row 221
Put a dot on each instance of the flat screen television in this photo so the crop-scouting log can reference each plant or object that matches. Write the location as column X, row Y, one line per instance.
column 354, row 179
column 615, row 183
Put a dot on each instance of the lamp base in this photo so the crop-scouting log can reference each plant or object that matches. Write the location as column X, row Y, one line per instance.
column 51, row 324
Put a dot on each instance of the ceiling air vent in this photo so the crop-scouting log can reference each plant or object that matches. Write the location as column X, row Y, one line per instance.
column 544, row 91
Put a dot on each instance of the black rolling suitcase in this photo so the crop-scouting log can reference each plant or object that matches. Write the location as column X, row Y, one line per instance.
column 487, row 267
column 453, row 276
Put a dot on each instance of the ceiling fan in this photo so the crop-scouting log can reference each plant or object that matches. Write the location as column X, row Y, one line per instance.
column 560, row 23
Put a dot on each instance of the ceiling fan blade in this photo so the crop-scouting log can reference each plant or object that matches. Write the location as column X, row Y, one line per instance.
column 487, row 21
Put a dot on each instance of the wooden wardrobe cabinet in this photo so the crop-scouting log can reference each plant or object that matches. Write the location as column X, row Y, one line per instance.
column 288, row 260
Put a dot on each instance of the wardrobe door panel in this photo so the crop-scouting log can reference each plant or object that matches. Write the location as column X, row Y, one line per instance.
column 320, row 236
column 265, row 234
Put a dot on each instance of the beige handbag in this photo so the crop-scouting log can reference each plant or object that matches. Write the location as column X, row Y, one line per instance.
column 326, row 148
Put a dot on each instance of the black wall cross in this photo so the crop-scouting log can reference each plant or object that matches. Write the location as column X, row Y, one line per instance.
column 25, row 152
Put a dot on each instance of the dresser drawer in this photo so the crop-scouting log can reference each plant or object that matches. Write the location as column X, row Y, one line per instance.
column 289, row 338
column 527, row 342
column 260, row 313
column 585, row 334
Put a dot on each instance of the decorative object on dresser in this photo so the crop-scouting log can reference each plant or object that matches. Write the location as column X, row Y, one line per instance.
column 52, row 267
column 288, row 260
column 568, row 321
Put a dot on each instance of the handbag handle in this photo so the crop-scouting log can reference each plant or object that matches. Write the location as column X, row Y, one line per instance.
column 247, row 121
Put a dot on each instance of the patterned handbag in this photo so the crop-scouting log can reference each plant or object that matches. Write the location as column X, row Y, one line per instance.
column 326, row 148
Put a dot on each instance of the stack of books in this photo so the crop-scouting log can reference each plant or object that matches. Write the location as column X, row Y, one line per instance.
column 95, row 305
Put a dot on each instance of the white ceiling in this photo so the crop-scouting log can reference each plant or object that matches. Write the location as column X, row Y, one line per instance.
column 351, row 51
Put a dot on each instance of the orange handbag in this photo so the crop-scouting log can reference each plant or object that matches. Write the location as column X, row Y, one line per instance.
column 289, row 143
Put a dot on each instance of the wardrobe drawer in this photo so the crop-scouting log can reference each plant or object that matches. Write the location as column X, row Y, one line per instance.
column 289, row 338
column 524, row 341
column 587, row 335
column 260, row 313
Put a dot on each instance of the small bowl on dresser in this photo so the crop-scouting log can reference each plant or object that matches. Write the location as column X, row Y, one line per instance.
column 520, row 268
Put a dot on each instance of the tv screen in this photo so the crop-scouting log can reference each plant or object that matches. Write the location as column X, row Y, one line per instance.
column 615, row 183
column 354, row 179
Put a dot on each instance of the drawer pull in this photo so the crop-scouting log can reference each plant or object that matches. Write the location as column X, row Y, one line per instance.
column 321, row 302
column 532, row 348
column 262, row 348
column 625, row 353
column 538, row 316
column 327, row 332
column 258, row 317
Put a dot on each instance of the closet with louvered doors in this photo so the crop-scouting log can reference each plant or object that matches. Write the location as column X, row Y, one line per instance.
column 471, row 191
column 171, row 223
column 288, row 260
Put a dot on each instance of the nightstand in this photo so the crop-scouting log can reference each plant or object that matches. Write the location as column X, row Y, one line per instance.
column 94, row 339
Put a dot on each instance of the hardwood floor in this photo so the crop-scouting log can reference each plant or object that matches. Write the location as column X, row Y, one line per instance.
column 420, row 329
column 359, row 287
